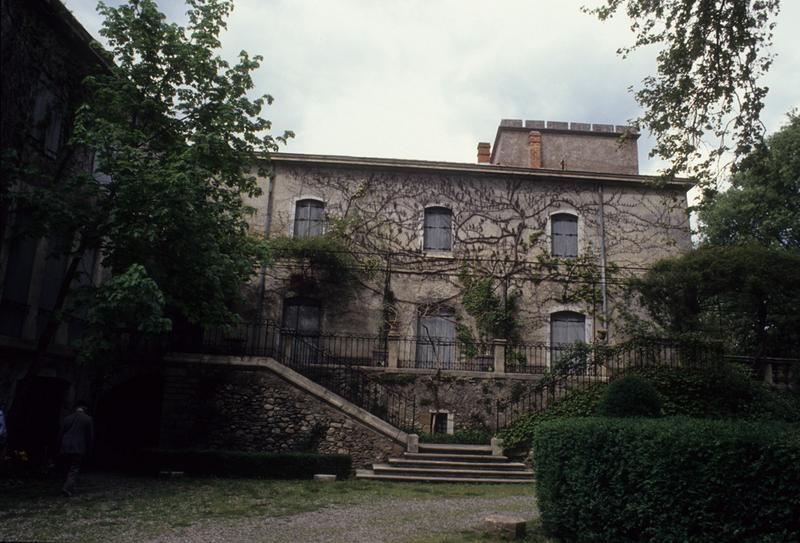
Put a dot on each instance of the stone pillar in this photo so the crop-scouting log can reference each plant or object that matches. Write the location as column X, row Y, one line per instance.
column 497, row 446
column 412, row 443
column 392, row 349
column 484, row 152
column 768, row 373
column 286, row 346
column 535, row 148
column 499, row 355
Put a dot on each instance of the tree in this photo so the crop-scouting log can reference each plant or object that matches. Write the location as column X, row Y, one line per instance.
column 763, row 203
column 707, row 82
column 176, row 136
column 745, row 295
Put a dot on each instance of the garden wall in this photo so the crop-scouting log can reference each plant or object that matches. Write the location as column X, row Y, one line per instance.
column 235, row 408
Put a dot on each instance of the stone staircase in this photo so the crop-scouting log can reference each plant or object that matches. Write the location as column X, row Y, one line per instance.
column 449, row 464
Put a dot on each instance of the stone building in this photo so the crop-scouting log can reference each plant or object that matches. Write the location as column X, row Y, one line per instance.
column 46, row 54
column 553, row 215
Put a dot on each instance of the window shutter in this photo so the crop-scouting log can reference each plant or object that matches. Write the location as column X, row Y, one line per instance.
column 438, row 229
column 565, row 235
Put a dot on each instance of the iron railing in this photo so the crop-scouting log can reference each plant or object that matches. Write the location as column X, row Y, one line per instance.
column 329, row 360
column 580, row 365
column 427, row 352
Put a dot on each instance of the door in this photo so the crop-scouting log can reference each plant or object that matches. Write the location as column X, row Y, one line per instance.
column 436, row 336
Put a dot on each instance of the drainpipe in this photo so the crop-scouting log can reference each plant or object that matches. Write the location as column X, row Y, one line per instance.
column 267, row 225
column 602, row 221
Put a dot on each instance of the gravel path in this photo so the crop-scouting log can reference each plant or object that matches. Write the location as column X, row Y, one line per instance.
column 388, row 521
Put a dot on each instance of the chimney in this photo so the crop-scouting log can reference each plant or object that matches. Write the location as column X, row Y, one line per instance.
column 535, row 148
column 484, row 152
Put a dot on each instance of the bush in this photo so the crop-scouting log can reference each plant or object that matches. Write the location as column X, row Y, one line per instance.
column 577, row 403
column 726, row 391
column 466, row 437
column 630, row 396
column 671, row 479
column 245, row 464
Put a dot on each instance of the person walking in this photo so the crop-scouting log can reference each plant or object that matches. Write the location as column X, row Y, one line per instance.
column 77, row 435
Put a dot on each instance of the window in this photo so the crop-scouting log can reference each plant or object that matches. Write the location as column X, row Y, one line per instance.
column 47, row 120
column 308, row 218
column 16, row 284
column 302, row 316
column 436, row 335
column 565, row 234
column 566, row 329
column 438, row 229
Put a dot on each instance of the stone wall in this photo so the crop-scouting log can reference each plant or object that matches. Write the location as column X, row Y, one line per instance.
column 222, row 407
column 470, row 399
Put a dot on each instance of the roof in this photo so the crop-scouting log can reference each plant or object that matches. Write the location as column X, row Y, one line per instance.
column 473, row 169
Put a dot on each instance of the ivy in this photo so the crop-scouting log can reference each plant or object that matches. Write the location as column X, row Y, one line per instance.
column 495, row 316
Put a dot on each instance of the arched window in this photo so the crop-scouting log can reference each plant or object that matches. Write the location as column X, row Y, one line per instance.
column 567, row 327
column 308, row 218
column 302, row 315
column 438, row 229
column 564, row 229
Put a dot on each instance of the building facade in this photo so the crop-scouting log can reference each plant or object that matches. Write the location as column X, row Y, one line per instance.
column 551, row 220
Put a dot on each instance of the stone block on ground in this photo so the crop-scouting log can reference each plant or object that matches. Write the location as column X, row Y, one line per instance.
column 505, row 526
column 324, row 477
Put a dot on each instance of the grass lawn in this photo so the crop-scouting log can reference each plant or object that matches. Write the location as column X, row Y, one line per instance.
column 112, row 507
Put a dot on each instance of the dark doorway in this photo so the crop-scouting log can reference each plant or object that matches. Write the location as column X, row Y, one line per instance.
column 127, row 419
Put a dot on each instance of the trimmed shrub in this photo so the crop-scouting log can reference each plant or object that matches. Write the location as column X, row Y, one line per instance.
column 245, row 464
column 466, row 437
column 726, row 391
column 670, row 479
column 630, row 396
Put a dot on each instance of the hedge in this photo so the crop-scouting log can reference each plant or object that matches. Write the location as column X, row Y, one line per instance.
column 630, row 396
column 671, row 479
column 245, row 464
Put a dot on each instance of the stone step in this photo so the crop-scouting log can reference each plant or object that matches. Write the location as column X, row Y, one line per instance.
column 386, row 469
column 455, row 457
column 370, row 475
column 439, row 463
column 453, row 448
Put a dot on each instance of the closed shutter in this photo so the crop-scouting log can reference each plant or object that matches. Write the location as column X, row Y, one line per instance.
column 438, row 229
column 436, row 339
column 567, row 327
column 565, row 235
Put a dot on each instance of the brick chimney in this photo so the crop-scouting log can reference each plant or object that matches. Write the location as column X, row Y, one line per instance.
column 535, row 148
column 484, row 152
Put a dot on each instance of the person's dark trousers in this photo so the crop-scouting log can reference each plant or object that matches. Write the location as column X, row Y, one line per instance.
column 73, row 463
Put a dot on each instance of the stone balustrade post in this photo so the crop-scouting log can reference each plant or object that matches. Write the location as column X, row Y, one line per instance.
column 499, row 355
column 286, row 346
column 768, row 373
column 392, row 349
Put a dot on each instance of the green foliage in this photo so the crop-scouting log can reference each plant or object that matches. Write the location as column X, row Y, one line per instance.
column 577, row 403
column 172, row 126
column 720, row 392
column 216, row 463
column 711, row 57
column 675, row 479
column 325, row 258
column 494, row 314
column 763, row 203
column 745, row 295
column 630, row 396
column 465, row 437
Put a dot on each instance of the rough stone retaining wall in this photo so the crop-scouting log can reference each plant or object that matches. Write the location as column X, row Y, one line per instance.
column 235, row 408
column 471, row 398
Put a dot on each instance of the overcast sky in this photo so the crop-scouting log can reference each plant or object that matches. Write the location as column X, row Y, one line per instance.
column 429, row 79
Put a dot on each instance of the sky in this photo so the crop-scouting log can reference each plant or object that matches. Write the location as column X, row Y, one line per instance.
column 429, row 79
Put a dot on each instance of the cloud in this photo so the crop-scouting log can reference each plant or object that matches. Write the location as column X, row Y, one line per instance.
column 429, row 80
